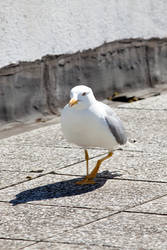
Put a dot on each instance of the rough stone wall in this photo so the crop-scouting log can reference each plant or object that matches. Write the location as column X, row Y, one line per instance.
column 43, row 86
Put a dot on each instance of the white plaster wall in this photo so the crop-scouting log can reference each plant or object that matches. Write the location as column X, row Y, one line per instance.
column 30, row 29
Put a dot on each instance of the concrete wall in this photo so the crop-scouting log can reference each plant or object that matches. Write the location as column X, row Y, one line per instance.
column 30, row 29
column 42, row 87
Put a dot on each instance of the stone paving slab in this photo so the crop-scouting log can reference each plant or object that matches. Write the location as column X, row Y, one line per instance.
column 125, row 209
column 45, row 136
column 123, row 231
column 35, row 222
column 152, row 132
column 126, row 165
column 35, row 158
column 66, row 246
column 158, row 206
column 61, row 190
column 147, row 129
column 6, row 244
column 25, row 157
column 152, row 124
column 8, row 178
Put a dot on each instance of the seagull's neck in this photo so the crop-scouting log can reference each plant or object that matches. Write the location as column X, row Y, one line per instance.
column 91, row 103
column 92, row 100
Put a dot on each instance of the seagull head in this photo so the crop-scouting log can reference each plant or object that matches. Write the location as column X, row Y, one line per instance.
column 81, row 97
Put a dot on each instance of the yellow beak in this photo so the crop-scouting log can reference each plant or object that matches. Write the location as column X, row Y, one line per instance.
column 73, row 102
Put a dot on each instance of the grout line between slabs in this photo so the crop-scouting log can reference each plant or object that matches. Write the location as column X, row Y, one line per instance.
column 147, row 109
column 8, row 238
column 20, row 182
column 126, row 210
column 142, row 212
column 120, row 211
column 51, row 172
column 110, row 215
column 114, row 179
column 145, row 202
column 140, row 180
column 73, row 164
column 71, row 243
column 92, row 208
column 72, row 175
column 61, row 206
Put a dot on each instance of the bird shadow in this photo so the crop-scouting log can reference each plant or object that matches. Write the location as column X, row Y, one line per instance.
column 62, row 189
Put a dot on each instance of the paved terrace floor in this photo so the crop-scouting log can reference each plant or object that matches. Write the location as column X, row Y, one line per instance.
column 41, row 207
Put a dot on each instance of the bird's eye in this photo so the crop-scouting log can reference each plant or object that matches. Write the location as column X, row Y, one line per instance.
column 84, row 93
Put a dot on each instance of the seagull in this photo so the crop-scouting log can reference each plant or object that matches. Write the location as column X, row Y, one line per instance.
column 88, row 123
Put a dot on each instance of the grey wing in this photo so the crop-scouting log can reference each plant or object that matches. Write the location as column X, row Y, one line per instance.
column 115, row 125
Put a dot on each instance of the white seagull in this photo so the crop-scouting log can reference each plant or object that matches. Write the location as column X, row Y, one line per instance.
column 87, row 123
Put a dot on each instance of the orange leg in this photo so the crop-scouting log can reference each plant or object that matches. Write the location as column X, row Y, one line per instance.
column 89, row 178
column 86, row 180
column 95, row 170
column 87, row 162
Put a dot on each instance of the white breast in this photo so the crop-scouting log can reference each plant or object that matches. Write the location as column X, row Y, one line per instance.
column 87, row 128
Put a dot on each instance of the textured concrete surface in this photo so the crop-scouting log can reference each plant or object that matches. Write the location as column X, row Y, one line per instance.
column 124, row 231
column 41, row 207
column 38, row 89
column 31, row 29
column 13, row 244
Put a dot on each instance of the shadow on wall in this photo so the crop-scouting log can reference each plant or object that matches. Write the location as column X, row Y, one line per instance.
column 43, row 86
